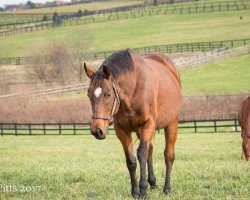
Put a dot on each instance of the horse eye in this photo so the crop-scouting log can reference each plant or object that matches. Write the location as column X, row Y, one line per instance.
column 109, row 94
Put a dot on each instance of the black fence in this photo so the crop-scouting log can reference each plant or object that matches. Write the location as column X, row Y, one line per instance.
column 93, row 12
column 32, row 129
column 21, row 23
column 168, row 48
column 161, row 10
column 37, row 26
column 130, row 12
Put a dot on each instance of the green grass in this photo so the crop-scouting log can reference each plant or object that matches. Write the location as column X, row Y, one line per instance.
column 80, row 167
column 139, row 32
column 227, row 76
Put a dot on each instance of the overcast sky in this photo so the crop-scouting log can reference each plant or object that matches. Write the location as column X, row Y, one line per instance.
column 3, row 2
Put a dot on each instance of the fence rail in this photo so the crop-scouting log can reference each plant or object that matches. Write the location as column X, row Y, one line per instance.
column 118, row 14
column 167, row 49
column 16, row 129
column 164, row 10
column 93, row 12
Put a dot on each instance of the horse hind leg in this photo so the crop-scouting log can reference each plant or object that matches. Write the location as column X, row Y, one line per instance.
column 151, row 176
column 170, row 138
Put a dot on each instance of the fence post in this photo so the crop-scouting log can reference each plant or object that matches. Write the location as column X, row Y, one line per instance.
column 74, row 128
column 195, row 127
column 44, row 129
column 15, row 129
column 1, row 125
column 235, row 125
column 215, row 126
column 60, row 129
column 29, row 129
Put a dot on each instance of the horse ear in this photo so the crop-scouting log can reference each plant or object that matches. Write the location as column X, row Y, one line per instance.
column 88, row 71
column 105, row 72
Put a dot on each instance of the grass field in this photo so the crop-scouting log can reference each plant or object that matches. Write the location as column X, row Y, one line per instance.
column 80, row 167
column 227, row 76
column 147, row 31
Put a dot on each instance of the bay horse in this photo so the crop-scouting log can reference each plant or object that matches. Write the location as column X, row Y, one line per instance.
column 244, row 122
column 138, row 94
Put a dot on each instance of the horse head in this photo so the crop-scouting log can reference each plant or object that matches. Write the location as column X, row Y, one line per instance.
column 104, row 98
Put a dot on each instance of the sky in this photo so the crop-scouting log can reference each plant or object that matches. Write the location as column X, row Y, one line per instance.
column 3, row 2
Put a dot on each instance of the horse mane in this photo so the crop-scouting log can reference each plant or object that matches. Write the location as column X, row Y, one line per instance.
column 118, row 63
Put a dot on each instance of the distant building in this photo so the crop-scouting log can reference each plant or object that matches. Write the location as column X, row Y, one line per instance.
column 15, row 7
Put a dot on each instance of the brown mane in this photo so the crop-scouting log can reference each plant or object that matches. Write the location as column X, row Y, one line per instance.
column 118, row 63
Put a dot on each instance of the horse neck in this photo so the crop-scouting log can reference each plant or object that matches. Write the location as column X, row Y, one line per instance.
column 127, row 85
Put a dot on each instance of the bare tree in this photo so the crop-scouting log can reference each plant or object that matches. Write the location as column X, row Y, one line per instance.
column 60, row 62
column 51, row 63
column 39, row 68
column 80, row 43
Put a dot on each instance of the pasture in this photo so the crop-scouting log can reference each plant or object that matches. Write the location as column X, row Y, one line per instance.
column 227, row 76
column 139, row 32
column 77, row 7
column 207, row 166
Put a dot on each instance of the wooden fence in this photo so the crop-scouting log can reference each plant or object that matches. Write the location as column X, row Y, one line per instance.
column 33, row 129
column 164, row 10
column 21, row 23
column 167, row 49
column 37, row 26
column 128, row 14
column 86, row 13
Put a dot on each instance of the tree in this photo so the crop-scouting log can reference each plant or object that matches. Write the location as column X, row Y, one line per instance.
column 45, row 18
column 80, row 42
column 31, row 5
column 55, row 16
column 1, row 9
column 50, row 63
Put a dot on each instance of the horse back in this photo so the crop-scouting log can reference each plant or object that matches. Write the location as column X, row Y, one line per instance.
column 166, row 62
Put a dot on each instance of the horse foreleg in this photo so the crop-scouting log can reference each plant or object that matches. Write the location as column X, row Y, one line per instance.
column 127, row 143
column 170, row 138
column 146, row 134
column 151, row 176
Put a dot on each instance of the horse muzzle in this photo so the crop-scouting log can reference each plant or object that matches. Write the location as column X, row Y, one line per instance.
column 99, row 134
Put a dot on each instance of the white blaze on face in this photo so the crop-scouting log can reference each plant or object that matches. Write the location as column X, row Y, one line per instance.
column 98, row 91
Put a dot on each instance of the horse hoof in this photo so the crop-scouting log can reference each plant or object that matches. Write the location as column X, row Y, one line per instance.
column 135, row 194
column 153, row 186
column 143, row 195
column 167, row 190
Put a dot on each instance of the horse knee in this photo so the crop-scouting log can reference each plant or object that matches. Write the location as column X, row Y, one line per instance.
column 131, row 163
column 169, row 156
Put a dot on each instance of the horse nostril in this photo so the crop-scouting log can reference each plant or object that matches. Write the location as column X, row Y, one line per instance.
column 99, row 132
